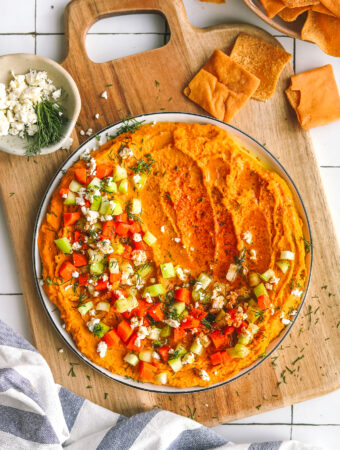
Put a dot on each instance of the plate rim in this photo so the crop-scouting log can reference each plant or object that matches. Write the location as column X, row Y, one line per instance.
column 149, row 387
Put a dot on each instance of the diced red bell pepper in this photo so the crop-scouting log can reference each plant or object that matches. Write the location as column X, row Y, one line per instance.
column 263, row 301
column 135, row 227
column 83, row 279
column 79, row 259
column 198, row 313
column 122, row 217
column 146, row 322
column 111, row 338
column 141, row 245
column 115, row 277
column 183, row 295
column 243, row 325
column 103, row 171
column 87, row 203
column 146, row 371
column 66, row 270
column 122, row 229
column 229, row 330
column 190, row 322
column 116, row 294
column 81, row 175
column 124, row 330
column 101, row 285
column 127, row 252
column 76, row 236
column 218, row 338
column 164, row 352
column 219, row 357
column 71, row 218
column 63, row 192
column 108, row 229
column 156, row 312
column 139, row 311
column 179, row 335
column 131, row 345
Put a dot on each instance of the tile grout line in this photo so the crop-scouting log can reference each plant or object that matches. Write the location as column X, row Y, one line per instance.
column 34, row 34
column 294, row 55
column 283, row 424
column 291, row 421
column 11, row 293
column 35, row 27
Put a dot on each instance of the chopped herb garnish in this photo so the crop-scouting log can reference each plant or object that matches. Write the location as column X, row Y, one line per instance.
column 97, row 329
column 258, row 406
column 71, row 371
column 105, row 395
column 143, row 166
column 297, row 359
column 308, row 245
column 128, row 125
column 191, row 414
column 157, row 83
column 11, row 194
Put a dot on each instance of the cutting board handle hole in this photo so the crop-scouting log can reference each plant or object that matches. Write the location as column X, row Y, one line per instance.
column 109, row 39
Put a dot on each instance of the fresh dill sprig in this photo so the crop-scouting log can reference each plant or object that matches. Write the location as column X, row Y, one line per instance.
column 129, row 125
column 50, row 126
column 143, row 165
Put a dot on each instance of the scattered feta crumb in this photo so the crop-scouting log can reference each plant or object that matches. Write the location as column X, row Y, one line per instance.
column 82, row 133
column 89, row 132
column 139, row 257
column 105, row 246
column 142, row 333
column 61, row 350
column 269, row 286
column 162, row 229
column 189, row 358
column 104, row 95
column 155, row 355
column 153, row 280
column 96, row 116
column 75, row 274
column 253, row 254
column 204, row 375
column 180, row 273
column 67, row 144
column 247, row 237
column 92, row 323
column 137, row 237
column 92, row 312
column 172, row 323
column 136, row 178
column 102, row 349
column 126, row 153
column 136, row 323
column 285, row 321
column 148, row 298
column 178, row 240
column 297, row 292
column 218, row 302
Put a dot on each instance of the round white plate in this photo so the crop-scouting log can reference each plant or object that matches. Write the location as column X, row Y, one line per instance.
column 93, row 144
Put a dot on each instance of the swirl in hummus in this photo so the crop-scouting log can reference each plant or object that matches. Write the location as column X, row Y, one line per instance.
column 173, row 254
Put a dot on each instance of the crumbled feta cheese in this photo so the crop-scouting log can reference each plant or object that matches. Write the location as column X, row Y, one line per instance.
column 80, row 201
column 64, row 196
column 92, row 323
column 96, row 294
column 82, row 133
column 89, row 132
column 253, row 254
column 189, row 358
column 285, row 321
column 247, row 237
column 204, row 375
column 136, row 323
column 178, row 240
column 92, row 312
column 180, row 273
column 105, row 277
column 148, row 298
column 274, row 280
column 142, row 333
column 172, row 323
column 85, row 154
column 192, row 249
column 139, row 257
column 137, row 237
column 67, row 144
column 269, row 286
column 93, row 167
column 155, row 355
column 162, row 229
column 56, row 94
column 102, row 349
column 126, row 152
column 4, row 124
column 297, row 292
column 105, row 246
column 61, row 350
column 91, row 216
column 293, row 312
column 96, row 116
column 104, row 95
column 75, row 274
column 218, row 302
column 136, row 178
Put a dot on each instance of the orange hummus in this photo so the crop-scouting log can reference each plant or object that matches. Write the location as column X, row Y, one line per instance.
column 173, row 254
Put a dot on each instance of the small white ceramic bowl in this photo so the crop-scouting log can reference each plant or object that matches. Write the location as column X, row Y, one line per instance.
column 21, row 63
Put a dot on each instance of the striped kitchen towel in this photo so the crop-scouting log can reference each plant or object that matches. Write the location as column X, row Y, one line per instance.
column 36, row 413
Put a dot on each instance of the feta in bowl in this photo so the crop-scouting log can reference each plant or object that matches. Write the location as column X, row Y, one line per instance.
column 36, row 92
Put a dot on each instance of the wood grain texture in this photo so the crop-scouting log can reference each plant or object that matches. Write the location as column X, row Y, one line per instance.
column 133, row 92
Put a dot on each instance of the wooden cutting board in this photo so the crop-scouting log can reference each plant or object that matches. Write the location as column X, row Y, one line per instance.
column 308, row 364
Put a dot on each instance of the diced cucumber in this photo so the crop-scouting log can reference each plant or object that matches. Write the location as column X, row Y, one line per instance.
column 154, row 333
column 183, row 315
column 245, row 339
column 144, row 270
column 283, row 265
column 181, row 350
column 196, row 347
column 106, row 207
column 220, row 316
column 118, row 248
column 197, row 295
column 253, row 311
column 85, row 307
column 133, row 291
column 260, row 290
column 166, row 331
column 74, row 186
column 254, row 279
column 110, row 186
column 97, row 227
column 123, row 186
column 232, row 272
column 113, row 266
column 205, row 280
column 146, row 356
column 64, row 245
column 154, row 290
column 239, row 351
column 207, row 298
column 140, row 180
column 117, row 209
column 267, row 275
column 286, row 254
column 161, row 378
column 175, row 364
column 100, row 329
column 126, row 304
column 205, row 341
column 136, row 206
column 70, row 199
column 131, row 359
column 103, row 306
column 177, row 308
column 149, row 238
column 168, row 270
column 96, row 202
column 119, row 173
column 96, row 183
column 95, row 256
column 97, row 268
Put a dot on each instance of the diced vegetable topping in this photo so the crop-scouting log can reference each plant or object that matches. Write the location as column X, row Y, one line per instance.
column 286, row 254
column 64, row 245
column 168, row 270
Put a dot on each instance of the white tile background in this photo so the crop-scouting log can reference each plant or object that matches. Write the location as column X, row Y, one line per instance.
column 36, row 26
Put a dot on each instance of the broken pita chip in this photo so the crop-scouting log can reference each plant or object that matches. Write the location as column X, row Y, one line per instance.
column 299, row 3
column 324, row 31
column 332, row 5
column 222, row 86
column 315, row 97
column 272, row 7
column 291, row 14
column 322, row 10
column 264, row 60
